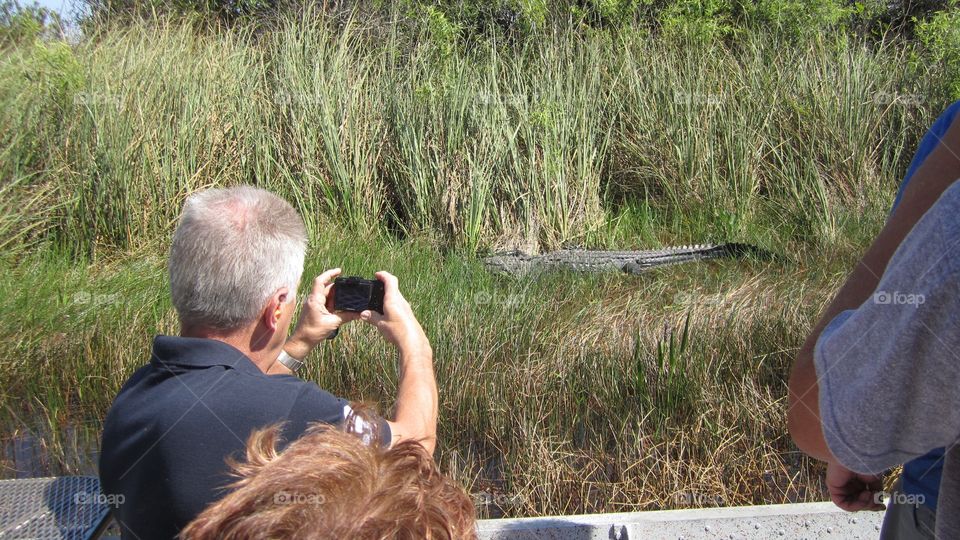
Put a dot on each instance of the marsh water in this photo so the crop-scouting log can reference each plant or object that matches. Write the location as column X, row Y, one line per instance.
column 37, row 450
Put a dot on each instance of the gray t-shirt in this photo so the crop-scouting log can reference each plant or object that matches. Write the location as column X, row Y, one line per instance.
column 889, row 371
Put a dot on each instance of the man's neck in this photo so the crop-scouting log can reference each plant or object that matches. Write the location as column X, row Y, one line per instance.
column 244, row 341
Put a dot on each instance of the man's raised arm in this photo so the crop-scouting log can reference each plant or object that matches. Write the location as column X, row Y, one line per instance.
column 417, row 401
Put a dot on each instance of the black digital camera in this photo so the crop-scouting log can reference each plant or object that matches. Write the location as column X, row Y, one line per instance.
column 357, row 294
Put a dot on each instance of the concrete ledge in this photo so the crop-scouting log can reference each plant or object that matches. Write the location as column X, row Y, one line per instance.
column 809, row 521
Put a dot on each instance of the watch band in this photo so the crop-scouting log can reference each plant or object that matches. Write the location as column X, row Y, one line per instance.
column 290, row 362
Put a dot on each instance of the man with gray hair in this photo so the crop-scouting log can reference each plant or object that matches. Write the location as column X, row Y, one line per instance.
column 235, row 266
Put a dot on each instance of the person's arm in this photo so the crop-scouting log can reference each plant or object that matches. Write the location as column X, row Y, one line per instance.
column 417, row 400
column 938, row 171
column 887, row 372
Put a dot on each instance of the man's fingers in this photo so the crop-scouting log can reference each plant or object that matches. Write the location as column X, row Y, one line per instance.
column 370, row 316
column 320, row 282
column 872, row 497
column 347, row 316
column 869, row 505
column 842, row 502
column 390, row 282
column 337, row 320
column 848, row 504
column 874, row 483
column 855, row 501
column 851, row 491
column 321, row 287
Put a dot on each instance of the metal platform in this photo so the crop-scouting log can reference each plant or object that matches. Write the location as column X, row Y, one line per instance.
column 804, row 521
column 69, row 507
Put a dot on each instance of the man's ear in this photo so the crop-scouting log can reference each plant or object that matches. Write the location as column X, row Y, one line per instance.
column 273, row 311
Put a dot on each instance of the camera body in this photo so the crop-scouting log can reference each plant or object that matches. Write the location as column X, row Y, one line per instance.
column 354, row 293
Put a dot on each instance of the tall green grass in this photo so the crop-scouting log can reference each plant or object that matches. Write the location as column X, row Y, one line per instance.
column 532, row 145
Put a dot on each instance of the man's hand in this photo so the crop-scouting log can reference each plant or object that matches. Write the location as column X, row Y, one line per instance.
column 317, row 318
column 398, row 324
column 853, row 491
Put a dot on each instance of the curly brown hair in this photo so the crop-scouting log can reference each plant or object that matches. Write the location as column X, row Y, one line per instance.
column 328, row 484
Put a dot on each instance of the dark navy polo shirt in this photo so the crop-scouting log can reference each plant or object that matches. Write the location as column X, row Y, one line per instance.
column 174, row 423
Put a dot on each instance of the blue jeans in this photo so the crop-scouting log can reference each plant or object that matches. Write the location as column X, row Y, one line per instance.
column 905, row 521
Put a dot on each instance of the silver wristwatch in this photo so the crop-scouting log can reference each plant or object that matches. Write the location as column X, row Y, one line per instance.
column 290, row 362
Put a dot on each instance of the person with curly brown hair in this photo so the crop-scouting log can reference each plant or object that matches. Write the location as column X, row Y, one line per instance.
column 328, row 484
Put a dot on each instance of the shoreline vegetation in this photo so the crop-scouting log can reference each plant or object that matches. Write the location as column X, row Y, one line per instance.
column 411, row 148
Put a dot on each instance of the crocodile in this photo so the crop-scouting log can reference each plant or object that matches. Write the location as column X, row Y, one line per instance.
column 632, row 262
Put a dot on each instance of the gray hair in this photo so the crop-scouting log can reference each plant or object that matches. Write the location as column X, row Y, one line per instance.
column 233, row 249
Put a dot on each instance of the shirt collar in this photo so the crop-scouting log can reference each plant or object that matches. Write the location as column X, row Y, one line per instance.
column 200, row 352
